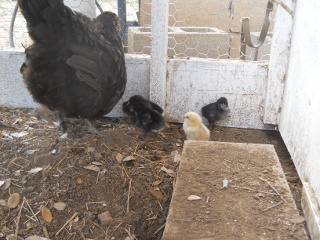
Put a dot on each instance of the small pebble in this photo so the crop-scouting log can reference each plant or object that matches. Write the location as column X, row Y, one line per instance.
column 86, row 230
column 88, row 215
column 225, row 183
column 105, row 218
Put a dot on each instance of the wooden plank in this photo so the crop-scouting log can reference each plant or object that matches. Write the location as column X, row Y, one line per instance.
column 159, row 45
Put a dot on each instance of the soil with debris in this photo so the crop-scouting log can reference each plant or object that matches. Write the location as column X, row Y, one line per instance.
column 80, row 185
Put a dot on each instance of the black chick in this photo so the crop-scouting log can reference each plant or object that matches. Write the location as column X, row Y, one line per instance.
column 145, row 112
column 217, row 111
column 75, row 66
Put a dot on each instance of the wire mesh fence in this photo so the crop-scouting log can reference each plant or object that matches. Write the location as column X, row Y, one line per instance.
column 197, row 28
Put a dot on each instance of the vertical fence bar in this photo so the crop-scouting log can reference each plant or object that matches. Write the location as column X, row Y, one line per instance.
column 159, row 46
column 122, row 11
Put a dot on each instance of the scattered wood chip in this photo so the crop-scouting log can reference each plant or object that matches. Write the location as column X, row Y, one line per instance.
column 105, row 218
column 31, row 151
column 14, row 200
column 46, row 214
column 170, row 172
column 176, row 156
column 19, row 134
column 194, row 198
column 35, row 170
column 156, row 183
column 5, row 184
column 65, row 135
column 156, row 193
column 79, row 180
column 119, row 157
column 60, row 206
column 54, row 151
column 129, row 158
column 296, row 218
column 92, row 167
column 97, row 163
column 36, row 238
column 3, row 203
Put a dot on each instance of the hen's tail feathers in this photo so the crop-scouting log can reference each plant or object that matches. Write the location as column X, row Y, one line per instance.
column 46, row 19
column 41, row 11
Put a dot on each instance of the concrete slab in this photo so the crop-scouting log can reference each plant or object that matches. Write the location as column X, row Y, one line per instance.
column 247, row 209
column 311, row 211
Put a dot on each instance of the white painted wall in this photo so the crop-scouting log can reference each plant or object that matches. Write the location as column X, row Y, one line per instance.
column 14, row 94
column 190, row 85
column 300, row 115
column 193, row 83
column 279, row 59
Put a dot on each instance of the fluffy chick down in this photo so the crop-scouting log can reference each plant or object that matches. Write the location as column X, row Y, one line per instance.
column 193, row 127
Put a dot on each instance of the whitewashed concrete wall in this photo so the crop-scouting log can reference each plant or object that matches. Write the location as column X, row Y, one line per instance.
column 193, row 83
column 13, row 92
column 300, row 115
column 190, row 85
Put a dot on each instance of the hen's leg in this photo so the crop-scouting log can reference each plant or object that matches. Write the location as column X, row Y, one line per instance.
column 61, row 122
column 91, row 128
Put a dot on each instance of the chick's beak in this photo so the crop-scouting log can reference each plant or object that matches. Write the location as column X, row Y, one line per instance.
column 184, row 116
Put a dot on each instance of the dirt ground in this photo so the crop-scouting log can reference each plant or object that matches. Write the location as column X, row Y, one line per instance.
column 84, row 186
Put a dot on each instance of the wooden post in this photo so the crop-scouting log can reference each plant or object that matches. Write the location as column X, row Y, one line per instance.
column 159, row 45
column 279, row 58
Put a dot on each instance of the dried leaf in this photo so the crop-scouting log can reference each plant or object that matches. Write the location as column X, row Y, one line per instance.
column 79, row 180
column 46, row 214
column 65, row 135
column 296, row 218
column 93, row 168
column 54, row 151
column 97, row 163
column 6, row 184
column 129, row 158
column 119, row 157
column 156, row 193
column 193, row 198
column 19, row 134
column 14, row 200
column 3, row 203
column 170, row 172
column 31, row 151
column 35, row 170
column 156, row 183
column 60, row 206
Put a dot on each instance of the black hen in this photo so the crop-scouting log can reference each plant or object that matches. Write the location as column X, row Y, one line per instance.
column 76, row 65
column 217, row 111
column 147, row 113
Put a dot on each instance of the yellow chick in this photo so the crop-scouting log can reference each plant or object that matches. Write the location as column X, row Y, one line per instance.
column 193, row 127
